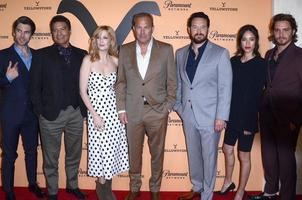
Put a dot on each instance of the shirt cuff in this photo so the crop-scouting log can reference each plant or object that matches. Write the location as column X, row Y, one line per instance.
column 10, row 79
column 121, row 111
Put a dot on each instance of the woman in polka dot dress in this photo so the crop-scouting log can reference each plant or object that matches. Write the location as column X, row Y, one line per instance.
column 107, row 143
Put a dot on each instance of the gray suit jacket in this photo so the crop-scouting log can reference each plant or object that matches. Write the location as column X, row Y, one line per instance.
column 209, row 96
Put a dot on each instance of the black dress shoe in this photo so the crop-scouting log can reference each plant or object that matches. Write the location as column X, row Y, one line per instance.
column 77, row 193
column 262, row 197
column 36, row 190
column 231, row 187
column 52, row 197
column 10, row 196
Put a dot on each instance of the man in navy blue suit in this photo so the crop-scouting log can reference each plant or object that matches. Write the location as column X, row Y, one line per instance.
column 16, row 113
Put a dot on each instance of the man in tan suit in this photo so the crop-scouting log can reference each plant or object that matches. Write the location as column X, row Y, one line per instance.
column 146, row 91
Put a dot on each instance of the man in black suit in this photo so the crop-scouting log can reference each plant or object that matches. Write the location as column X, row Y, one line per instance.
column 16, row 114
column 54, row 91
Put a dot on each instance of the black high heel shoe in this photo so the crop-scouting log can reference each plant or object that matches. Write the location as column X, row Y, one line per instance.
column 231, row 187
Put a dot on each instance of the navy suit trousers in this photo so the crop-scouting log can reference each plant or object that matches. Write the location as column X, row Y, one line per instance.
column 28, row 129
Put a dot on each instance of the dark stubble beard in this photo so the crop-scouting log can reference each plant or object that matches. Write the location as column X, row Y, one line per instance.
column 282, row 43
column 197, row 40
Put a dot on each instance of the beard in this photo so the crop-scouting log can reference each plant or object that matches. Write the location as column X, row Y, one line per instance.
column 282, row 41
column 198, row 38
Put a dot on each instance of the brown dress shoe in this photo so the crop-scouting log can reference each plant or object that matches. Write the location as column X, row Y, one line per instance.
column 155, row 196
column 132, row 195
column 189, row 195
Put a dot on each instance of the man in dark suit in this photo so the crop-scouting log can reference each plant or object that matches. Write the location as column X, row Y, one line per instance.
column 54, row 91
column 281, row 110
column 16, row 114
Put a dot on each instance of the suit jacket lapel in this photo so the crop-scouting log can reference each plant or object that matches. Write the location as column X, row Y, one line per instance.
column 206, row 54
column 203, row 60
column 17, row 58
column 282, row 67
column 57, row 59
column 133, row 61
column 72, row 57
column 155, row 55
column 183, row 64
column 268, row 70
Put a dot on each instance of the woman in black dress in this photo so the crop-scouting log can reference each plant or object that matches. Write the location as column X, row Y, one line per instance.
column 248, row 81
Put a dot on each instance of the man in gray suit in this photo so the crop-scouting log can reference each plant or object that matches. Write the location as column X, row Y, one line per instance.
column 203, row 102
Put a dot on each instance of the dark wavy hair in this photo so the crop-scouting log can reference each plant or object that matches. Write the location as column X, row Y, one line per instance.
column 198, row 15
column 283, row 17
column 242, row 30
column 24, row 20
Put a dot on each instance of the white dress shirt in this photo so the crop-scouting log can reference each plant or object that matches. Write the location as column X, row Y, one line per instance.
column 143, row 61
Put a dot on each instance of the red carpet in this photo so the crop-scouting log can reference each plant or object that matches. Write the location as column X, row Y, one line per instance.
column 24, row 194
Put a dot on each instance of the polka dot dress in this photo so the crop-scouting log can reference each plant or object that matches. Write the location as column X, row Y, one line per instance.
column 107, row 148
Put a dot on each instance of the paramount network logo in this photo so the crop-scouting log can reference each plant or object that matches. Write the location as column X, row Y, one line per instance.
column 170, row 5
column 215, row 35
column 41, row 36
column 174, row 121
column 82, row 173
column 167, row 174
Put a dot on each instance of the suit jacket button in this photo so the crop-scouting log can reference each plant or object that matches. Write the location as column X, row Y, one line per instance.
column 191, row 88
column 143, row 84
column 189, row 100
column 143, row 96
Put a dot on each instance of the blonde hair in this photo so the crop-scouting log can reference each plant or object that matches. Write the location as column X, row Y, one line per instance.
column 93, row 50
